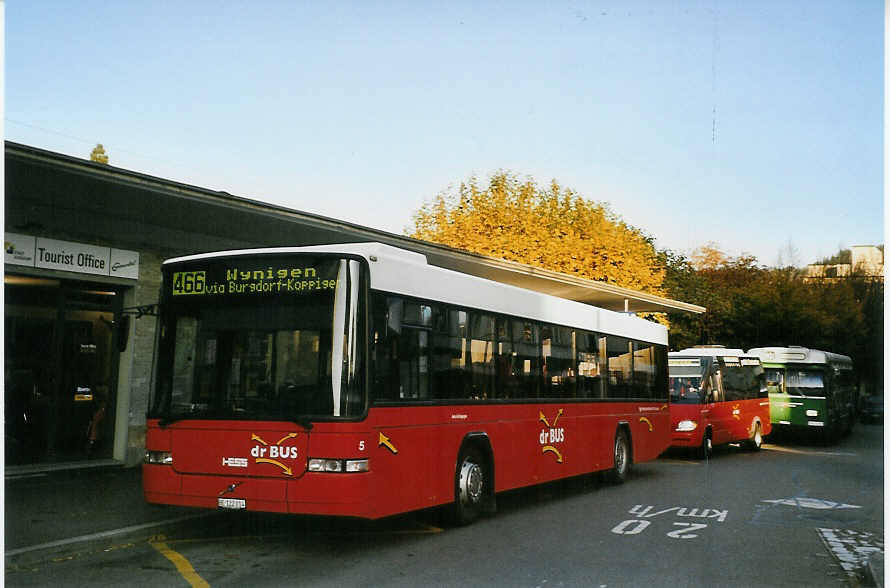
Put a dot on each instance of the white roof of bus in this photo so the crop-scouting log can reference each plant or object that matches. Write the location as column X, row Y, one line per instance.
column 405, row 272
column 798, row 355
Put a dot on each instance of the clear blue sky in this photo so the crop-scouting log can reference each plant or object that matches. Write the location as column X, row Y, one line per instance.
column 752, row 123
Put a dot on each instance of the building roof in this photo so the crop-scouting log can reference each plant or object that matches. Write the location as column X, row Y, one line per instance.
column 66, row 197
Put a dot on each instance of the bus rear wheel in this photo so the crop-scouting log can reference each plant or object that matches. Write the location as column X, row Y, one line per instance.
column 621, row 458
column 469, row 486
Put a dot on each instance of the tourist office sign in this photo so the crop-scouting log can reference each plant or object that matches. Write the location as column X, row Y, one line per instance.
column 66, row 256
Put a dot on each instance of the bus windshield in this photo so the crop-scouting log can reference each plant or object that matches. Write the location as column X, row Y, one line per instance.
column 805, row 383
column 274, row 337
column 686, row 389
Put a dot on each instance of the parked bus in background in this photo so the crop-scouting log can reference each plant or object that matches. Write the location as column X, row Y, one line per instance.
column 718, row 396
column 358, row 380
column 809, row 389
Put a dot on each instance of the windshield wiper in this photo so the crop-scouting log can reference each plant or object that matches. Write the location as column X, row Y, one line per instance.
column 168, row 420
column 171, row 418
column 304, row 422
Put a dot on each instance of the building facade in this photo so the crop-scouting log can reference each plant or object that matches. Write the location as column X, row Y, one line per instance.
column 865, row 261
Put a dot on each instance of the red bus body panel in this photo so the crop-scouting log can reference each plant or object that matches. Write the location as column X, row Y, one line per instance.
column 729, row 422
column 412, row 453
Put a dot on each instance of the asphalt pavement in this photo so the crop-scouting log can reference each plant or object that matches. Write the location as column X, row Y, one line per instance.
column 51, row 513
column 68, row 509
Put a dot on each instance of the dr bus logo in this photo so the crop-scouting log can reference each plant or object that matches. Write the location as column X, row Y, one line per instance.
column 274, row 452
column 552, row 435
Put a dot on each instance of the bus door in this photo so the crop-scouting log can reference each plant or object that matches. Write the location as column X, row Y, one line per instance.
column 779, row 405
column 835, row 400
column 719, row 414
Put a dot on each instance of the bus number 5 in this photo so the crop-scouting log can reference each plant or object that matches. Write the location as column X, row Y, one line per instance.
column 361, row 445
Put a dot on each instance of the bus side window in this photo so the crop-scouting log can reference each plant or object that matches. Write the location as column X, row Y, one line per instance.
column 775, row 381
column 590, row 373
column 414, row 351
column 558, row 365
column 400, row 349
column 731, row 378
column 450, row 370
column 482, row 347
column 526, row 366
column 716, row 394
column 619, row 353
column 661, row 373
column 383, row 385
column 644, row 371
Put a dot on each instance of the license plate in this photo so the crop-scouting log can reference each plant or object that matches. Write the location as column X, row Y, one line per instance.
column 236, row 503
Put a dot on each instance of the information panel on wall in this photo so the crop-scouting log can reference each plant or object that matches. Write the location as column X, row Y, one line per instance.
column 26, row 250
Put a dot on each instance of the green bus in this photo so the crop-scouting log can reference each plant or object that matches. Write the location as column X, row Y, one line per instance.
column 809, row 389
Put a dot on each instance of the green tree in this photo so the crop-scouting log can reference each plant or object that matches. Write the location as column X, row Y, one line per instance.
column 552, row 228
column 683, row 282
column 754, row 306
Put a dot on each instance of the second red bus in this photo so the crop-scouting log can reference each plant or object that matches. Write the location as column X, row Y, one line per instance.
column 718, row 396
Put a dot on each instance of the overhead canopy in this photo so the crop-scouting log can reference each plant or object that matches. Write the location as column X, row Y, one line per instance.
column 50, row 193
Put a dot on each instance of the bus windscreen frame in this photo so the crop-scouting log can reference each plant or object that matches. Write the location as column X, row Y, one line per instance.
column 257, row 337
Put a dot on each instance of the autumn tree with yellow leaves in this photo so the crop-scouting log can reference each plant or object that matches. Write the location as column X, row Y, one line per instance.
column 553, row 228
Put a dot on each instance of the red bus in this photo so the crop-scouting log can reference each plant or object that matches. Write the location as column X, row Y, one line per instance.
column 718, row 396
column 358, row 380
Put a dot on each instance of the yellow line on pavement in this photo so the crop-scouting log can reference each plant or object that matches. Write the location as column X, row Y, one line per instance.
column 182, row 565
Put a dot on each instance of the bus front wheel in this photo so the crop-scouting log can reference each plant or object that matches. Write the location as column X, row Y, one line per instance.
column 469, row 486
column 622, row 458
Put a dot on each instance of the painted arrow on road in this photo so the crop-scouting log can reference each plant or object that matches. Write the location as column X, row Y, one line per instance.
column 816, row 503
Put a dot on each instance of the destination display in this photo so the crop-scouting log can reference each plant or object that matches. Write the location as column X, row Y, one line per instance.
column 684, row 362
column 240, row 277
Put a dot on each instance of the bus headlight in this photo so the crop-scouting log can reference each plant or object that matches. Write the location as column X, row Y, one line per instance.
column 158, row 457
column 686, row 426
column 356, row 465
column 338, row 465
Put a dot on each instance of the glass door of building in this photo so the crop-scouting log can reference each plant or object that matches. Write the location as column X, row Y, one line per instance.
column 60, row 370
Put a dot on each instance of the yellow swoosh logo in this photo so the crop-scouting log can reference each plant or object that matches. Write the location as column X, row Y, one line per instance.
column 553, row 449
column 283, row 467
